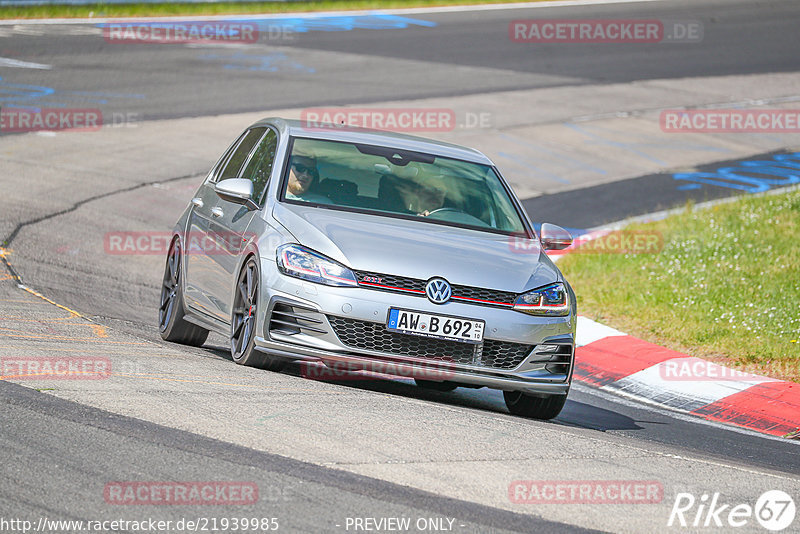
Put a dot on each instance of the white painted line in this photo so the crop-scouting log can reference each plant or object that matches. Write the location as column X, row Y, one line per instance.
column 654, row 383
column 636, row 402
column 16, row 63
column 589, row 331
column 404, row 11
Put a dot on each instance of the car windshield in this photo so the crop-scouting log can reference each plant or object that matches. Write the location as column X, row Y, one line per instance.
column 399, row 183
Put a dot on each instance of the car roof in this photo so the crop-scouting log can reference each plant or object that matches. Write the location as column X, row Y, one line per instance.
column 300, row 128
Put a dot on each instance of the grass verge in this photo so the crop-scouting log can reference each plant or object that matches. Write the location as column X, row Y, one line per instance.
column 101, row 10
column 725, row 286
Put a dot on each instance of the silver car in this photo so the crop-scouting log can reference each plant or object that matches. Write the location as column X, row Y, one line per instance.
column 372, row 251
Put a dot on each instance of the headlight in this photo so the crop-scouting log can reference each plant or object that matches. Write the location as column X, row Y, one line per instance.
column 551, row 300
column 300, row 262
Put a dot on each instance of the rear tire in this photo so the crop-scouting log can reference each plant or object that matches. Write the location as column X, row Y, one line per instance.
column 172, row 326
column 525, row 405
column 436, row 386
column 243, row 321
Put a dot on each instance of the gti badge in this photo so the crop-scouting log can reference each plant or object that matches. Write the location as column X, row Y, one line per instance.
column 438, row 290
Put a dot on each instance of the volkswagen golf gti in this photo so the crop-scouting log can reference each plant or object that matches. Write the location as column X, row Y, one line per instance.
column 376, row 251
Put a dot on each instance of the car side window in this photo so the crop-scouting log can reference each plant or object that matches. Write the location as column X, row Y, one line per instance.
column 259, row 167
column 220, row 164
column 234, row 164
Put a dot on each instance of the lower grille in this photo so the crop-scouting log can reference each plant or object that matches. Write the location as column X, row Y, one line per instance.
column 365, row 335
column 561, row 360
column 291, row 319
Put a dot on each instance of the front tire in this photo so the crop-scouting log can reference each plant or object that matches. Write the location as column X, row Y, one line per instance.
column 243, row 321
column 524, row 405
column 171, row 324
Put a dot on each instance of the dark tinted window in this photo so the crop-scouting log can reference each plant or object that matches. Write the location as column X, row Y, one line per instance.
column 259, row 167
column 237, row 159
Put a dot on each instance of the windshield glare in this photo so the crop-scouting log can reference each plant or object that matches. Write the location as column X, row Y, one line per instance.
column 398, row 182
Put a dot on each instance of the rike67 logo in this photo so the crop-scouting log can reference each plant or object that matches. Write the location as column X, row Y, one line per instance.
column 774, row 510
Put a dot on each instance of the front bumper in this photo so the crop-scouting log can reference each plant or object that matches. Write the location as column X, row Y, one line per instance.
column 297, row 325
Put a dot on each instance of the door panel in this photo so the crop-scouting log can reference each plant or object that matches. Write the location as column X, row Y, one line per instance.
column 229, row 231
column 199, row 265
column 206, row 237
column 229, row 220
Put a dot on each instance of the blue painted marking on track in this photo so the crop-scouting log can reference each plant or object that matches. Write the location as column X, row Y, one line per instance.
column 12, row 93
column 752, row 176
column 303, row 24
column 376, row 21
column 275, row 62
column 35, row 97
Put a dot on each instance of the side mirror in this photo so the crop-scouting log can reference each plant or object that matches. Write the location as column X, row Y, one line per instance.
column 238, row 191
column 554, row 237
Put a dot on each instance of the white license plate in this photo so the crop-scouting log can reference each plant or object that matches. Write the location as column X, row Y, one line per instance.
column 435, row 326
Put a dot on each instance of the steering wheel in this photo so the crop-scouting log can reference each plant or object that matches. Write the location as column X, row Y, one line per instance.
column 439, row 210
column 461, row 216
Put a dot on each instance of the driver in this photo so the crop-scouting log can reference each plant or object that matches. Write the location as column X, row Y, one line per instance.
column 303, row 175
column 430, row 196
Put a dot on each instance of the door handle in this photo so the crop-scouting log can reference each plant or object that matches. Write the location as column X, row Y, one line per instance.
column 198, row 202
column 217, row 212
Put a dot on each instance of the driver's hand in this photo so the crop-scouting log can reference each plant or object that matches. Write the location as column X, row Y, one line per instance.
column 424, row 213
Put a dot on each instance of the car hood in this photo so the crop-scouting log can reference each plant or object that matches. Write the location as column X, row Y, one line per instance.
column 417, row 249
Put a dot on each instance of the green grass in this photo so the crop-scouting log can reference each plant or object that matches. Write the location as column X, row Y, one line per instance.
column 726, row 285
column 100, row 10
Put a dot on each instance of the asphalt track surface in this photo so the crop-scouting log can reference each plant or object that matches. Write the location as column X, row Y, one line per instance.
column 303, row 497
column 461, row 54
column 615, row 201
column 93, row 446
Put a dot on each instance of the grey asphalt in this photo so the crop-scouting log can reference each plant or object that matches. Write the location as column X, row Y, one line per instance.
column 612, row 202
column 62, row 476
column 135, row 427
column 464, row 53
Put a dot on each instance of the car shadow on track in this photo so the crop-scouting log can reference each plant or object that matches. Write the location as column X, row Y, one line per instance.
column 579, row 414
column 575, row 414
